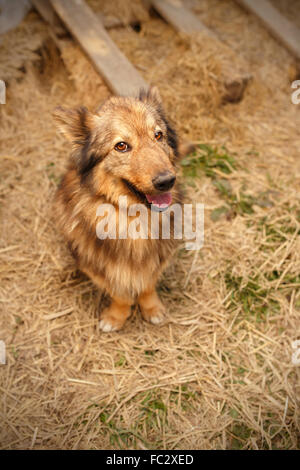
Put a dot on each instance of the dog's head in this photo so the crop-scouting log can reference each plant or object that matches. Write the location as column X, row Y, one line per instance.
column 128, row 144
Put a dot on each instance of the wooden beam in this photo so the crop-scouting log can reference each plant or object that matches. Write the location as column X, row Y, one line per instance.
column 47, row 12
column 279, row 26
column 119, row 74
column 184, row 21
column 12, row 13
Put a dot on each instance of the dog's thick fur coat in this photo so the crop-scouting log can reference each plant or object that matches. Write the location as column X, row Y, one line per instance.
column 98, row 173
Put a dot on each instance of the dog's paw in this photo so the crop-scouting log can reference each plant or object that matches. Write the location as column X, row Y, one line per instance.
column 106, row 326
column 109, row 322
column 155, row 315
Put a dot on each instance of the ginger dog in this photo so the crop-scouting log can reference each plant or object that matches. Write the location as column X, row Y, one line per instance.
column 127, row 148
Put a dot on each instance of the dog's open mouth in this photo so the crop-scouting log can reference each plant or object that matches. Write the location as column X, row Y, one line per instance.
column 161, row 201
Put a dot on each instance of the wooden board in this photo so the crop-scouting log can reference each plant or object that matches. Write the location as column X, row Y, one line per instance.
column 119, row 74
column 184, row 21
column 47, row 12
column 277, row 24
column 12, row 13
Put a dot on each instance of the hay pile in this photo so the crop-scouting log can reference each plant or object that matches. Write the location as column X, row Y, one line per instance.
column 24, row 41
column 219, row 373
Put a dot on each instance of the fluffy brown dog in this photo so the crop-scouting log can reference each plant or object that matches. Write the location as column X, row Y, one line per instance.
column 126, row 149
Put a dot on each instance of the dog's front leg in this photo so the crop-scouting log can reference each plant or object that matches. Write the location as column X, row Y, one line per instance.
column 113, row 317
column 151, row 307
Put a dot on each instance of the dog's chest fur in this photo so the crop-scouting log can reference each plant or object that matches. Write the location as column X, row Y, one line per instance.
column 124, row 266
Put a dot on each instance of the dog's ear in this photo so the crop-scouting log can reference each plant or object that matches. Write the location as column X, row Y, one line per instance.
column 75, row 124
column 151, row 96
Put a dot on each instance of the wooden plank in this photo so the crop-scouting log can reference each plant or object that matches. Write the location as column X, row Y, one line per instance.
column 12, row 12
column 276, row 23
column 184, row 21
column 119, row 74
column 47, row 12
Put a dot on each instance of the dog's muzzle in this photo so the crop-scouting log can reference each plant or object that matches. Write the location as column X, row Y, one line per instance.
column 164, row 181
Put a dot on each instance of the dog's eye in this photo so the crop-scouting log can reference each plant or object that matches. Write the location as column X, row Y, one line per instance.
column 158, row 135
column 121, row 147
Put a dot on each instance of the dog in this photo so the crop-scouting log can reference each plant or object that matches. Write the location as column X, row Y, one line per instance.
column 127, row 148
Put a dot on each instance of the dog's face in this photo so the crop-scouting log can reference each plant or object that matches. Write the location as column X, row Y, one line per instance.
column 128, row 141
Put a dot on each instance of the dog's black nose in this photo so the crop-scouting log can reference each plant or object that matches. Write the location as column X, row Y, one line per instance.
column 164, row 181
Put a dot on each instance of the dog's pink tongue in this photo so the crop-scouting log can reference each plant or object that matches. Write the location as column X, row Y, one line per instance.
column 162, row 200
